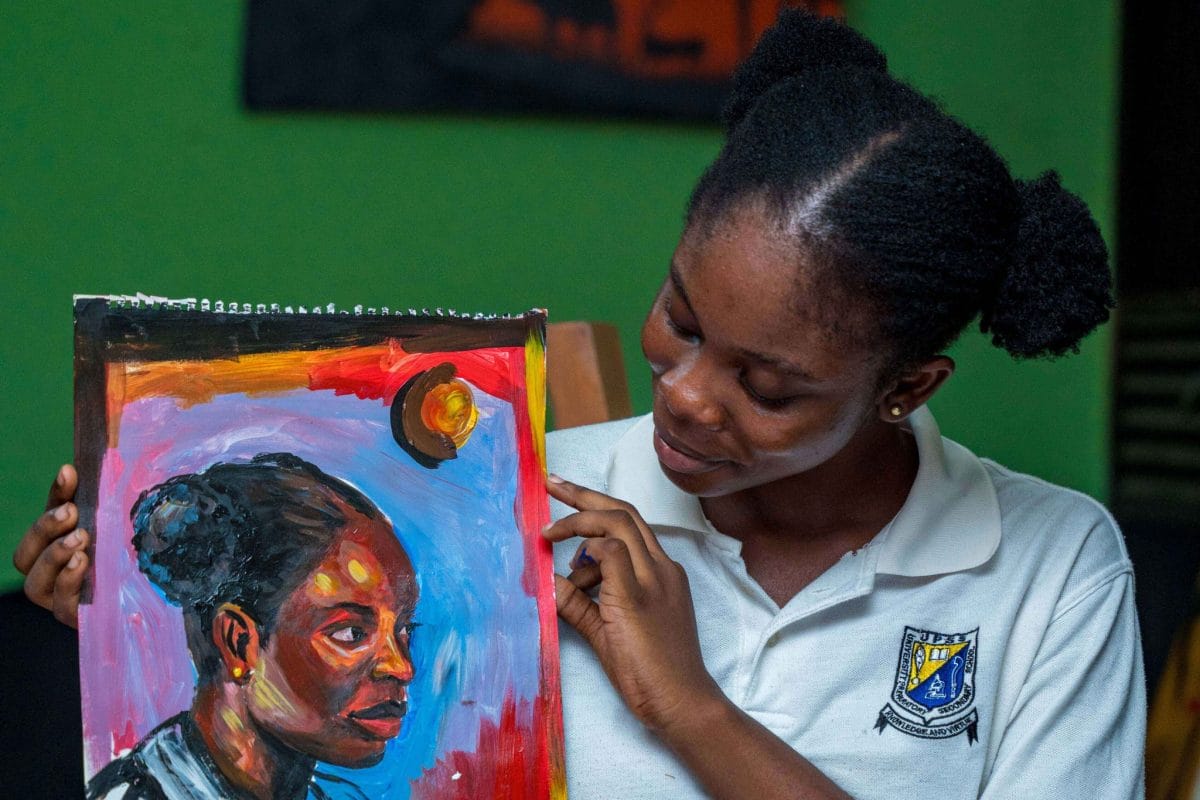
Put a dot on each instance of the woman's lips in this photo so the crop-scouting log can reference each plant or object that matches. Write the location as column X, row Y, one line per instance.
column 380, row 721
column 676, row 460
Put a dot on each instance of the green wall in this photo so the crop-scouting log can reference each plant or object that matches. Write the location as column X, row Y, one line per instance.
column 127, row 164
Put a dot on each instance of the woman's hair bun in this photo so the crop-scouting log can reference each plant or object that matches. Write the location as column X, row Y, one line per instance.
column 1058, row 288
column 174, row 536
column 798, row 42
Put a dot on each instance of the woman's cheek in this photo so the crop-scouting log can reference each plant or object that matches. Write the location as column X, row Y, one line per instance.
column 813, row 437
column 331, row 654
column 279, row 704
column 306, row 668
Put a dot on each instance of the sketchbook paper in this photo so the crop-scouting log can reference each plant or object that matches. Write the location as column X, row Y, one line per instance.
column 318, row 565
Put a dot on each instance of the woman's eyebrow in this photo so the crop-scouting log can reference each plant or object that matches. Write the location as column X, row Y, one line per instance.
column 780, row 365
column 357, row 608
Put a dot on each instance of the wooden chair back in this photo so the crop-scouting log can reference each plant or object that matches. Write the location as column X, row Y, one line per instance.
column 585, row 374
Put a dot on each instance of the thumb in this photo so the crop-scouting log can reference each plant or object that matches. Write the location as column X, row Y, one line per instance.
column 578, row 610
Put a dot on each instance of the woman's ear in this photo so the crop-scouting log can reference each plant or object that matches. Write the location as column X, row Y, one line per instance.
column 913, row 388
column 236, row 636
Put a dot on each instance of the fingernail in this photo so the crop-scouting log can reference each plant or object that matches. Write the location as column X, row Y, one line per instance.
column 61, row 480
column 73, row 540
column 554, row 478
column 62, row 512
column 75, row 561
column 547, row 526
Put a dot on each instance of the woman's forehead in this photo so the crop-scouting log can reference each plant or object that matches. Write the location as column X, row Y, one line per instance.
column 365, row 561
column 755, row 288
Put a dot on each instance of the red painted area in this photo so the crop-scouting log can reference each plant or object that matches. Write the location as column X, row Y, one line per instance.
column 376, row 373
column 505, row 765
column 126, row 740
column 533, row 513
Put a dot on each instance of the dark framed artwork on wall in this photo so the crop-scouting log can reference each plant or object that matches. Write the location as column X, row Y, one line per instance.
column 634, row 58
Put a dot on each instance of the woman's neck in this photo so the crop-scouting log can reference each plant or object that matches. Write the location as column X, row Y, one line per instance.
column 248, row 758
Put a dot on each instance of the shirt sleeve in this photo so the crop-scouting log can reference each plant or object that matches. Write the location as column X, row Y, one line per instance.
column 1078, row 727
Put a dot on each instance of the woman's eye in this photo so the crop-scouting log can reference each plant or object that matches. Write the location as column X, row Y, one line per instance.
column 766, row 401
column 349, row 634
column 679, row 329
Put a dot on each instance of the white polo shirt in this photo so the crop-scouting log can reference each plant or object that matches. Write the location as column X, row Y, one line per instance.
column 984, row 644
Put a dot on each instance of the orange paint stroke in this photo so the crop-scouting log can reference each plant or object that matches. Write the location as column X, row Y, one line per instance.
column 193, row 382
column 114, row 399
column 370, row 372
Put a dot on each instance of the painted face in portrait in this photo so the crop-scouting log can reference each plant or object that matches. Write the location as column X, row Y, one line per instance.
column 332, row 678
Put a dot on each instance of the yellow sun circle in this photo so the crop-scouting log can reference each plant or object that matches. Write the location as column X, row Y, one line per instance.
column 449, row 408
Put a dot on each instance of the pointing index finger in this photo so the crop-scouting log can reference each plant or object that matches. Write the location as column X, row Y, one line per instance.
column 583, row 499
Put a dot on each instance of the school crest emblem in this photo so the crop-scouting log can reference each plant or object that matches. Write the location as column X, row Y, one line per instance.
column 934, row 692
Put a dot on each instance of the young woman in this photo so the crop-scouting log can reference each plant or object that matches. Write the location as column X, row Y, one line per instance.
column 789, row 584
column 296, row 599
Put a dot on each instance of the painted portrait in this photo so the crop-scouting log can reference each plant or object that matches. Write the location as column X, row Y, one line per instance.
column 317, row 572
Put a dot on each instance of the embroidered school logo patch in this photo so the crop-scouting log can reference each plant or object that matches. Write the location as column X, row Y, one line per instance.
column 934, row 693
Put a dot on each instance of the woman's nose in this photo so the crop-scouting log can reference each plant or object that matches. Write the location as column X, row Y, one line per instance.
column 689, row 390
column 392, row 660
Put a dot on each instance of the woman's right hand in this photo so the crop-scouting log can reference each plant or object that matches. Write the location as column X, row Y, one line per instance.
column 52, row 554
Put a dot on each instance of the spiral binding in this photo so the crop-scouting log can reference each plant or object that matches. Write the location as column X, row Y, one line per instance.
column 156, row 303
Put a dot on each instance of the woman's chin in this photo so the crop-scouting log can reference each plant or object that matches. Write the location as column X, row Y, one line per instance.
column 700, row 484
column 369, row 760
column 356, row 755
column 348, row 747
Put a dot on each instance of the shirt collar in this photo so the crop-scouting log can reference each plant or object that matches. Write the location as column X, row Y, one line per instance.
column 949, row 523
column 176, row 757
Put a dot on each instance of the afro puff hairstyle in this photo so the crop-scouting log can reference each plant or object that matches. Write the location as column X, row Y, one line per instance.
column 915, row 211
